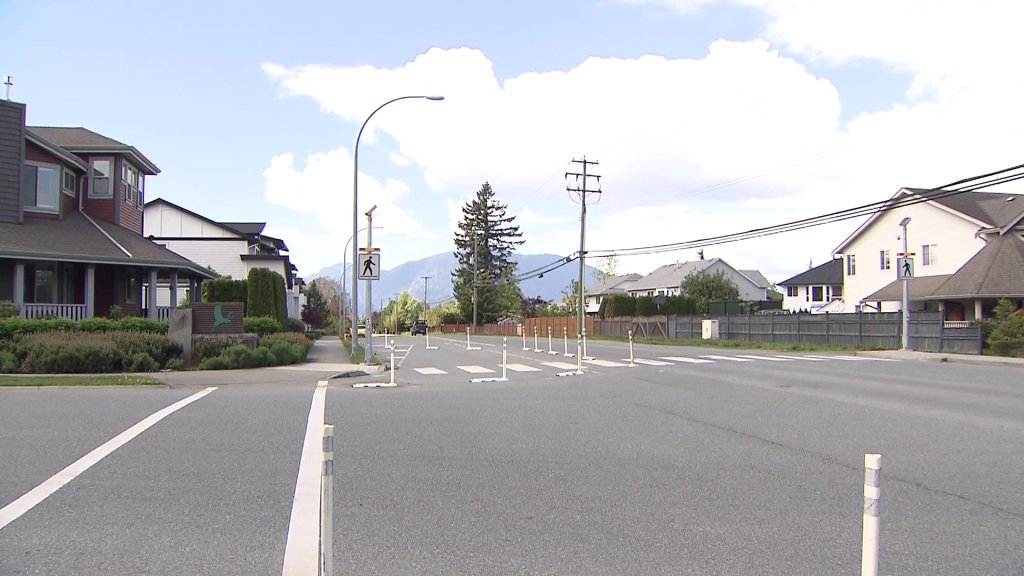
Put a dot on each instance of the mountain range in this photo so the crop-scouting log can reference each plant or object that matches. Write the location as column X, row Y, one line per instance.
column 439, row 267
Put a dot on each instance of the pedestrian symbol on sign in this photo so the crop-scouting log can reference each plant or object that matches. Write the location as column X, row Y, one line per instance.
column 369, row 266
column 904, row 268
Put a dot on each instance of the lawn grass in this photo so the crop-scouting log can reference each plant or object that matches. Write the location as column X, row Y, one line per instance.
column 78, row 380
column 360, row 357
column 744, row 344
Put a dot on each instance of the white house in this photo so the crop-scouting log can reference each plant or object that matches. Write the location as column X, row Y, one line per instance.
column 817, row 290
column 667, row 280
column 229, row 248
column 609, row 286
column 944, row 234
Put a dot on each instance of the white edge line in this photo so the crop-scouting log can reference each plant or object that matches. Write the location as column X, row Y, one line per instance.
column 15, row 509
column 302, row 550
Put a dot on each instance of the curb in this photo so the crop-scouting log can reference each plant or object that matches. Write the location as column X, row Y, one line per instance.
column 951, row 359
column 368, row 371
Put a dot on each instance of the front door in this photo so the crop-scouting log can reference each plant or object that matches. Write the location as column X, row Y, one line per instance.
column 954, row 312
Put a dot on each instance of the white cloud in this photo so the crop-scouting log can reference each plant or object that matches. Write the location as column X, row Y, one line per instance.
column 528, row 216
column 399, row 160
column 670, row 133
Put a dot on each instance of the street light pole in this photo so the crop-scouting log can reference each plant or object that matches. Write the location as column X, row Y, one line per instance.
column 355, row 214
column 341, row 295
column 369, row 288
column 906, row 290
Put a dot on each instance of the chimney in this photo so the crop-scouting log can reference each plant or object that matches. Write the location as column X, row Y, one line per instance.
column 8, row 83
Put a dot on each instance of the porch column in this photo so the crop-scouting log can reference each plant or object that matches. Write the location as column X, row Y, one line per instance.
column 90, row 291
column 199, row 291
column 977, row 310
column 174, row 289
column 19, row 283
column 151, row 295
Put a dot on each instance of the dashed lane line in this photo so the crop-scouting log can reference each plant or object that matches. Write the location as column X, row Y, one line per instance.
column 687, row 360
column 768, row 358
column 726, row 358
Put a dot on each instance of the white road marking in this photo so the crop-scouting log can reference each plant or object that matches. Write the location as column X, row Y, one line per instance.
column 522, row 368
column 769, row 358
column 430, row 371
column 648, row 362
column 604, row 363
column 729, row 358
column 560, row 365
column 846, row 358
column 868, row 358
column 687, row 360
column 15, row 509
column 805, row 358
column 302, row 550
column 474, row 369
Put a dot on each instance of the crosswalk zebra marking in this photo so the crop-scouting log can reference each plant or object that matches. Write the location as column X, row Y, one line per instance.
column 687, row 360
column 604, row 363
column 769, row 358
column 522, row 368
column 560, row 365
column 474, row 369
column 648, row 362
column 804, row 358
column 430, row 371
column 728, row 358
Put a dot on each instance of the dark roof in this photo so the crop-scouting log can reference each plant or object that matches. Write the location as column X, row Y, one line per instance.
column 56, row 150
column 991, row 208
column 277, row 243
column 829, row 273
column 671, row 275
column 612, row 284
column 756, row 277
column 920, row 289
column 75, row 238
column 82, row 140
column 246, row 227
column 997, row 270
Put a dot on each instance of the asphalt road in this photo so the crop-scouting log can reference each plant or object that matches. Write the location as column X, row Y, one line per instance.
column 724, row 465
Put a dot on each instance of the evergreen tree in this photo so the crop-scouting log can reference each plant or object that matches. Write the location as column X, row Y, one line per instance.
column 485, row 240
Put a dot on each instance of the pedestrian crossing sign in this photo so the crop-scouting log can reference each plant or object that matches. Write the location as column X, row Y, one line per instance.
column 904, row 268
column 369, row 265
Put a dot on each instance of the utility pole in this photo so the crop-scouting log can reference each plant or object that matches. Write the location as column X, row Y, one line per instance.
column 425, row 278
column 474, row 279
column 581, row 193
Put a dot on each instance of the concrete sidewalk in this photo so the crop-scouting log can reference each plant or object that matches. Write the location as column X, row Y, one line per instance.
column 941, row 357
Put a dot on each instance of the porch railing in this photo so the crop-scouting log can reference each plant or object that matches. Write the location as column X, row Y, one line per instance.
column 162, row 313
column 956, row 324
column 67, row 311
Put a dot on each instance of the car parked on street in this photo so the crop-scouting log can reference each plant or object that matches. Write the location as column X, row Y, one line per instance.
column 419, row 327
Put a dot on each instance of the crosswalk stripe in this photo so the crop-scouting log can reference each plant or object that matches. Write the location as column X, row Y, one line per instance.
column 522, row 368
column 648, row 362
column 474, row 369
column 769, row 358
column 729, row 358
column 846, row 358
column 687, row 360
column 805, row 358
column 604, row 363
column 560, row 365
column 867, row 358
column 430, row 371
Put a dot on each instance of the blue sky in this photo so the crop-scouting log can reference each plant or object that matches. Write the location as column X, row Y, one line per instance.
column 250, row 109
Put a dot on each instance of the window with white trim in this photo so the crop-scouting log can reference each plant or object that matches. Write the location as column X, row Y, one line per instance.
column 140, row 191
column 130, row 177
column 100, row 185
column 817, row 294
column 792, row 291
column 851, row 265
column 39, row 186
column 70, row 182
column 131, row 286
column 884, row 262
column 930, row 254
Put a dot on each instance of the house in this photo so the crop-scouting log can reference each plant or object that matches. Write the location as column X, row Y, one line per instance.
column 668, row 280
column 71, row 242
column 229, row 248
column 610, row 286
column 965, row 246
column 817, row 290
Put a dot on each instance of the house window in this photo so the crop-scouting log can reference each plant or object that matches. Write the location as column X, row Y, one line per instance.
column 99, row 180
column 130, row 176
column 884, row 259
column 930, row 254
column 40, row 283
column 70, row 181
column 816, row 294
column 851, row 265
column 837, row 291
column 39, row 185
column 792, row 291
column 140, row 192
column 131, row 286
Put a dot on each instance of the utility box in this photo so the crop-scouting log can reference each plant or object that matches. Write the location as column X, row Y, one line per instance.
column 709, row 329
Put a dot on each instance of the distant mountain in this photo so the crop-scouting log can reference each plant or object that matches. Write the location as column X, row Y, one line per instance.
column 409, row 276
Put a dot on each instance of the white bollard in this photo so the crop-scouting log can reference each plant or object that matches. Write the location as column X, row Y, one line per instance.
column 872, row 501
column 504, row 358
column 469, row 343
column 427, row 334
column 631, row 363
column 392, row 366
column 551, row 347
column 536, row 347
column 579, row 356
column 525, row 347
column 565, row 338
column 327, row 504
column 585, row 356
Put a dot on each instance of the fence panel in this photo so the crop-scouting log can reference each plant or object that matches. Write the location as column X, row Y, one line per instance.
column 557, row 324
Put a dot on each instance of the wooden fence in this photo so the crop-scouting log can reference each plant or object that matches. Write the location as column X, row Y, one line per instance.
column 509, row 329
column 557, row 324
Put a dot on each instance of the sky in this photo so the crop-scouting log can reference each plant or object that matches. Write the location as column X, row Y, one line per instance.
column 706, row 116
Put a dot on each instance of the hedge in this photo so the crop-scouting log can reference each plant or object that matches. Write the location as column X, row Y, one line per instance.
column 621, row 305
column 13, row 327
column 95, row 352
column 226, row 289
column 273, row 350
column 266, row 294
column 261, row 325
column 280, row 299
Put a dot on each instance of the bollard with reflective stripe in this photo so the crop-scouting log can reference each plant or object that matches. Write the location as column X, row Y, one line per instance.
column 327, row 504
column 872, row 502
column 631, row 363
column 525, row 347
column 504, row 358
column 579, row 356
column 536, row 346
column 392, row 366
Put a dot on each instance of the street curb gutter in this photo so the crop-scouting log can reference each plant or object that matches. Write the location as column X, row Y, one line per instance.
column 368, row 371
column 950, row 358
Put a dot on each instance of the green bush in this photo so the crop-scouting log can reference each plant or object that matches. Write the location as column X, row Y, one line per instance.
column 284, row 352
column 280, row 299
column 262, row 294
column 226, row 289
column 314, row 335
column 264, row 357
column 159, row 347
column 296, row 338
column 1006, row 335
column 215, row 363
column 645, row 306
column 261, row 326
column 293, row 325
column 12, row 327
column 141, row 324
column 175, row 364
column 92, row 352
column 9, row 309
column 96, row 325
column 115, row 312
column 8, row 363
column 140, row 362
column 621, row 305
column 209, row 349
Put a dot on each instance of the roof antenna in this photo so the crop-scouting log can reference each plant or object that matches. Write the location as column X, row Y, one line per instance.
column 8, row 83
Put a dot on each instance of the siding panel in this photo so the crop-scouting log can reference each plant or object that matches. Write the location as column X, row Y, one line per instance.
column 221, row 255
column 12, row 157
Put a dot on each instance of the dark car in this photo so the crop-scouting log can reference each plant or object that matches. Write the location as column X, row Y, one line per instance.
column 419, row 327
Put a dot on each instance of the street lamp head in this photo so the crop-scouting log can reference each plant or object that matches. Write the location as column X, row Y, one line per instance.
column 434, row 97
column 904, row 222
column 370, row 211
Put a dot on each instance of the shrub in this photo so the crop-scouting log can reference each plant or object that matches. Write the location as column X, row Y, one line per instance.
column 284, row 352
column 1006, row 336
column 8, row 363
column 9, row 309
column 225, row 289
column 69, row 353
column 262, row 293
column 175, row 364
column 12, row 327
column 215, row 363
column 620, row 305
column 209, row 349
column 264, row 357
column 115, row 312
column 140, row 362
column 141, row 324
column 293, row 325
column 296, row 338
column 159, row 347
column 280, row 298
column 261, row 326
column 314, row 335
column 95, row 325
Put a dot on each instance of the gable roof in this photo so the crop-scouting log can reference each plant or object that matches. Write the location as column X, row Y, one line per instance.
column 985, row 208
column 997, row 270
column 920, row 289
column 756, row 277
column 196, row 215
column 829, row 273
column 56, row 150
column 246, row 227
column 243, row 229
column 671, row 275
column 82, row 140
column 612, row 284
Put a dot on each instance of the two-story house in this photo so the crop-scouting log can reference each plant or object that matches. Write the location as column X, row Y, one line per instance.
column 71, row 241
column 229, row 248
column 818, row 290
column 668, row 280
column 968, row 252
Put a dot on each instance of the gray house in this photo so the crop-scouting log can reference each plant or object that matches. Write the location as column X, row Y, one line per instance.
column 667, row 280
column 610, row 286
